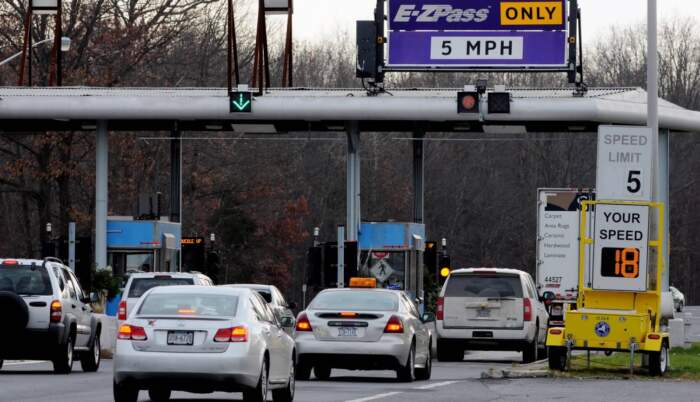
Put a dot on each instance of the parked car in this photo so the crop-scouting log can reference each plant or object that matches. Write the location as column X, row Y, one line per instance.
column 203, row 339
column 140, row 282
column 678, row 299
column 490, row 309
column 274, row 299
column 363, row 329
column 47, row 315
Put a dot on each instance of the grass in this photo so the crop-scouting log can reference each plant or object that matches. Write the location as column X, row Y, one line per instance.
column 685, row 365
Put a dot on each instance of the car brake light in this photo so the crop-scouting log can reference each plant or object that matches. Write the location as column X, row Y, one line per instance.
column 132, row 332
column 185, row 311
column 235, row 334
column 348, row 314
column 527, row 310
column 10, row 262
column 440, row 314
column 303, row 323
column 122, row 310
column 56, row 311
column 394, row 326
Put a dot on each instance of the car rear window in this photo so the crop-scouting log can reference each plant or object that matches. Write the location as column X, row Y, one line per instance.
column 481, row 285
column 139, row 286
column 31, row 280
column 266, row 294
column 186, row 304
column 356, row 300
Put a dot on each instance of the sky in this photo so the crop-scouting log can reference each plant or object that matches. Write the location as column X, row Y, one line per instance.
column 316, row 18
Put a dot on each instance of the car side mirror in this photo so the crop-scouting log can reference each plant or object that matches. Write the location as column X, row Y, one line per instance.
column 287, row 322
column 93, row 297
column 428, row 317
column 292, row 305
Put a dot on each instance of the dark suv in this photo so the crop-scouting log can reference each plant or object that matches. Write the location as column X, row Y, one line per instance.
column 46, row 315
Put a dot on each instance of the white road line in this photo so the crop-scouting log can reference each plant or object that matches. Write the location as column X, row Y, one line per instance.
column 374, row 397
column 437, row 384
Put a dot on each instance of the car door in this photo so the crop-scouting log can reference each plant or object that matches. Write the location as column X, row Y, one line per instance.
column 83, row 311
column 421, row 331
column 540, row 309
column 70, row 305
column 283, row 310
column 269, row 331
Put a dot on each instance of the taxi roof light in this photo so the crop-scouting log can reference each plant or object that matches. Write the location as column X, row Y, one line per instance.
column 363, row 283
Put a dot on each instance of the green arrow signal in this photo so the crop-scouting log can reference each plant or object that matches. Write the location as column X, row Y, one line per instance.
column 241, row 104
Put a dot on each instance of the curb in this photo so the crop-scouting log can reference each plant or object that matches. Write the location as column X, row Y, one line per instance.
column 498, row 374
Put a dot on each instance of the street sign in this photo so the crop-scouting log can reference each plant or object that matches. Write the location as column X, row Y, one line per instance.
column 621, row 247
column 241, row 102
column 45, row 6
column 382, row 270
column 478, row 49
column 476, row 15
column 624, row 163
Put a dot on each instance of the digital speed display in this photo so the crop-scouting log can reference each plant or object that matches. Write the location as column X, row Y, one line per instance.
column 620, row 262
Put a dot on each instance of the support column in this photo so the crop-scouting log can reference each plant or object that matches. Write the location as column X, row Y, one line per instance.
column 175, row 176
column 418, row 174
column 662, row 190
column 101, row 183
column 353, row 183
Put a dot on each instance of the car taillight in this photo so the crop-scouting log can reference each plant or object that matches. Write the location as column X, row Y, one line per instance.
column 394, row 326
column 440, row 313
column 122, row 310
column 56, row 311
column 303, row 323
column 235, row 334
column 132, row 332
column 527, row 310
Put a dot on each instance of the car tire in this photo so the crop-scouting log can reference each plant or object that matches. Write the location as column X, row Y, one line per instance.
column 90, row 360
column 159, row 394
column 322, row 372
column 286, row 394
column 259, row 393
column 425, row 373
column 659, row 361
column 303, row 371
column 124, row 393
column 557, row 358
column 530, row 351
column 15, row 315
column 407, row 372
column 63, row 362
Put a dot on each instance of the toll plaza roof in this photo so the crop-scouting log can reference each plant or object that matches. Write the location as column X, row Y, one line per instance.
column 302, row 109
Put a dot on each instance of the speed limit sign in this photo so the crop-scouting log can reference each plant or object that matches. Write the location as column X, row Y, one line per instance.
column 624, row 163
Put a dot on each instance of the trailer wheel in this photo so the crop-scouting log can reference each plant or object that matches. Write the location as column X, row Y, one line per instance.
column 557, row 358
column 658, row 361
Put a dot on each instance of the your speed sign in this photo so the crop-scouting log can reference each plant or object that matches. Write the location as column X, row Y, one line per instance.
column 624, row 163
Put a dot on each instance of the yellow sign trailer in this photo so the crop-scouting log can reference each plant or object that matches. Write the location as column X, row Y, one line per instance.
column 615, row 320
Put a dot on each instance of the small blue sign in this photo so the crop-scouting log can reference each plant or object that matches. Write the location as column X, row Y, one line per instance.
column 602, row 329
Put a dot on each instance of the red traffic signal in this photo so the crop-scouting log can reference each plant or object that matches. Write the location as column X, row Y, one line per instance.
column 467, row 102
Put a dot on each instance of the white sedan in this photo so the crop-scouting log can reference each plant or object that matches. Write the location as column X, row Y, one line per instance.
column 203, row 339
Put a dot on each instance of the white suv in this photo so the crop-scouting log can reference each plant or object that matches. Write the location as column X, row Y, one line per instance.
column 46, row 315
column 490, row 309
column 140, row 282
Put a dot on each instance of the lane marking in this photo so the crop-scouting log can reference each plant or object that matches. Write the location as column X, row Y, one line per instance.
column 374, row 397
column 437, row 384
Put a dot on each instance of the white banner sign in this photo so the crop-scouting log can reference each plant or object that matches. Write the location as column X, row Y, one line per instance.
column 624, row 163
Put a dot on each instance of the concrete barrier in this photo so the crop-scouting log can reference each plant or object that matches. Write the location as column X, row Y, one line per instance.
column 108, row 337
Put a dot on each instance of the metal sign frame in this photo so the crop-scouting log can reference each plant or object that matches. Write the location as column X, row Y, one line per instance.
column 573, row 66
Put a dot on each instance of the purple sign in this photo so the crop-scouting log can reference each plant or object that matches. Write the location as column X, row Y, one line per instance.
column 478, row 49
column 476, row 15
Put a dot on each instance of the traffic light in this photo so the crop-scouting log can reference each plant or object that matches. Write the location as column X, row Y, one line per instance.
column 430, row 260
column 330, row 264
column 241, row 102
column 467, row 102
column 445, row 268
column 499, row 102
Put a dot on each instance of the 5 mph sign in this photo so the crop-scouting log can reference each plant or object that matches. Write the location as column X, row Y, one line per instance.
column 624, row 163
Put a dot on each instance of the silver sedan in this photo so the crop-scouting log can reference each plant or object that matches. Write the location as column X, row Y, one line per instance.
column 203, row 339
column 363, row 329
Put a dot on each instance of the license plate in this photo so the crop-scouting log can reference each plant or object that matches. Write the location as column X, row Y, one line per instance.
column 180, row 338
column 347, row 331
column 484, row 313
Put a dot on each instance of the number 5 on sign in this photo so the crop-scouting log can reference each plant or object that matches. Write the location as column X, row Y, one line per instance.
column 624, row 163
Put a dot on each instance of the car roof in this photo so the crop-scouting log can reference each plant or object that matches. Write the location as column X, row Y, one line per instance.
column 30, row 261
column 172, row 274
column 381, row 290
column 196, row 289
column 510, row 271
column 253, row 286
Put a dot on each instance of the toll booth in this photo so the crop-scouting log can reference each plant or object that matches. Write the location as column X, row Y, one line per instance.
column 143, row 245
column 392, row 252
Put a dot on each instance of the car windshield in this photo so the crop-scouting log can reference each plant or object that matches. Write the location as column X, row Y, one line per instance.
column 31, row 280
column 139, row 286
column 187, row 304
column 356, row 300
column 484, row 285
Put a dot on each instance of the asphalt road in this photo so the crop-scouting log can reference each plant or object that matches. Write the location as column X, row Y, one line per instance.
column 34, row 382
